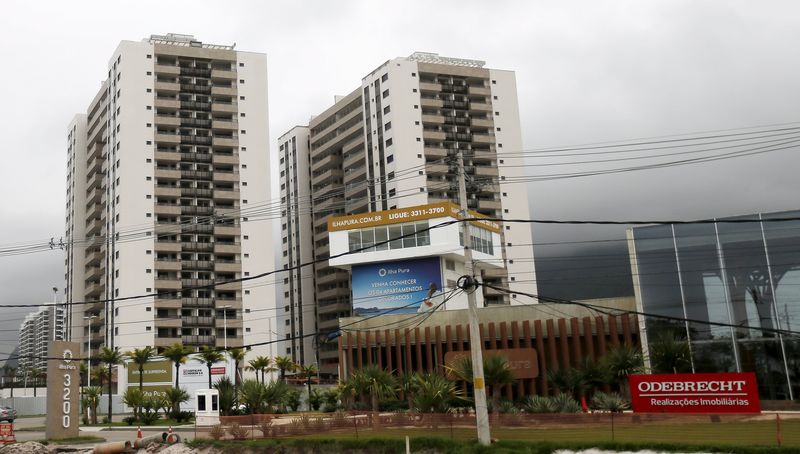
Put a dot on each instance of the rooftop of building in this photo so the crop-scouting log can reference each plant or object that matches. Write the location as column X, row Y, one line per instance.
column 179, row 39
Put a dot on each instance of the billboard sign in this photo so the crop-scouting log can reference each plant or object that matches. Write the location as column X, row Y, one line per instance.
column 695, row 393
column 397, row 287
column 154, row 372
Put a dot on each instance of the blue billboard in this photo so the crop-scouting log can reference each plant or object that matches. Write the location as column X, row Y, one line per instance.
column 396, row 287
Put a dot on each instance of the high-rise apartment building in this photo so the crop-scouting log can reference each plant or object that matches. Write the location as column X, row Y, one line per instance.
column 392, row 143
column 35, row 333
column 163, row 170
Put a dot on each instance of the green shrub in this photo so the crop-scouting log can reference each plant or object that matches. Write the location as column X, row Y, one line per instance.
column 612, row 402
column 538, row 404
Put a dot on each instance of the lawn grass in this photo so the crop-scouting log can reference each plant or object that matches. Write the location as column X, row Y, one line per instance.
column 446, row 446
column 755, row 433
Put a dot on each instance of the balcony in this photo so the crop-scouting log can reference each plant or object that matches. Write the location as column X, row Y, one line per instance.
column 197, row 302
column 489, row 204
column 168, row 174
column 231, row 286
column 93, row 273
column 438, row 169
column 435, row 152
column 232, row 159
column 434, row 135
column 168, row 283
column 196, row 72
column 196, row 157
column 167, row 156
column 225, row 176
column 195, row 88
column 225, row 74
column 333, row 293
column 162, row 191
column 168, row 265
column 167, row 322
column 167, row 246
column 197, row 246
column 167, row 138
column 195, row 174
column 224, row 141
column 199, row 340
column 480, row 107
column 223, row 248
column 225, row 125
column 433, row 119
column 223, row 91
column 430, row 102
column 482, row 123
column 167, row 103
column 167, row 87
column 226, row 194
column 94, row 289
column 94, row 226
column 224, row 108
column 198, row 320
column 168, row 209
column 93, row 257
column 171, row 70
column 430, row 87
column 486, row 171
column 479, row 91
column 196, row 210
column 230, row 322
column 167, row 303
column 196, row 192
column 230, row 342
column 196, row 105
column 197, row 265
column 327, row 176
column 483, row 139
column 355, row 174
column 227, row 230
column 227, row 267
column 195, row 140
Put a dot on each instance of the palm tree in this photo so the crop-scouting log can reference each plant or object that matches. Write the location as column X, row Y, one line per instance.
column 622, row 361
column 140, row 357
column 284, row 363
column 178, row 354
column 92, row 396
column 237, row 355
column 252, row 396
column 408, row 384
column 110, row 357
column 433, row 393
column 308, row 371
column 209, row 356
column 376, row 382
column 496, row 374
column 669, row 355
column 260, row 364
column 176, row 396
column 347, row 392
column 36, row 375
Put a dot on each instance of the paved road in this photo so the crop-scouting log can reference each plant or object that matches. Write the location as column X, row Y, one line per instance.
column 22, row 428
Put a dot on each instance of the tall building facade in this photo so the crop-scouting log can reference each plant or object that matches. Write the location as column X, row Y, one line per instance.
column 35, row 333
column 166, row 171
column 392, row 143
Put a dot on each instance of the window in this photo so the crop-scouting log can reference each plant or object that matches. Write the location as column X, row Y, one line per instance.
column 241, row 81
column 386, row 110
column 481, row 239
column 149, row 56
column 388, row 144
column 385, row 93
column 241, row 65
column 241, row 98
column 450, row 265
column 384, row 77
column 494, row 82
column 416, row 106
column 497, row 114
column 375, row 239
column 387, row 126
column 413, row 74
column 413, row 90
column 419, row 140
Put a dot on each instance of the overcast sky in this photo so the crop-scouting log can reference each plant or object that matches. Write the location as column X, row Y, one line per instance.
column 587, row 72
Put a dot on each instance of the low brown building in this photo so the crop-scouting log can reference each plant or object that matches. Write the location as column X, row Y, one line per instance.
column 535, row 338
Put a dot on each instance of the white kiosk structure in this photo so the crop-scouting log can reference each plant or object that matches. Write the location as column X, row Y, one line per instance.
column 206, row 411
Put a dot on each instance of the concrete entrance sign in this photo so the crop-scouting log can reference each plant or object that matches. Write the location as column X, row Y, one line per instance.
column 63, row 384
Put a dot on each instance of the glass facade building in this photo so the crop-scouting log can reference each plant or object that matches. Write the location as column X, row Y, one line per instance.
column 742, row 274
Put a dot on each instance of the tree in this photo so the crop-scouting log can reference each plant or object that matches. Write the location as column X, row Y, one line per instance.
column 433, row 393
column 227, row 395
column 12, row 373
column 284, row 363
column 91, row 395
column 496, row 374
column 237, row 355
column 140, row 357
column 110, row 357
column 260, row 365
column 669, row 355
column 175, row 397
column 622, row 361
column 252, row 395
column 209, row 356
column 375, row 382
column 308, row 371
column 178, row 354
column 36, row 375
column 408, row 383
column 347, row 393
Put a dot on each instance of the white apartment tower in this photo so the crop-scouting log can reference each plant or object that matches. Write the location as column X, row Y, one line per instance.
column 35, row 333
column 392, row 143
column 163, row 169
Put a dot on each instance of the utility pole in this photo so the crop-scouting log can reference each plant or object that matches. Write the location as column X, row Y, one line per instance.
column 475, row 341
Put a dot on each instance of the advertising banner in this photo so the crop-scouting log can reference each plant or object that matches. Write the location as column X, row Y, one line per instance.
column 397, row 287
column 695, row 393
column 154, row 372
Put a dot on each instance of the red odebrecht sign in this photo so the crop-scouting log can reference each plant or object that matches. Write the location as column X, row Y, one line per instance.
column 695, row 393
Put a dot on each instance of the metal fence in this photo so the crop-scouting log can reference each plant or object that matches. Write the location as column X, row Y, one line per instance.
column 766, row 429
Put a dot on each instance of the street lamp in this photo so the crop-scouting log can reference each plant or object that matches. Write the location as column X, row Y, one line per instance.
column 54, row 312
column 225, row 325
